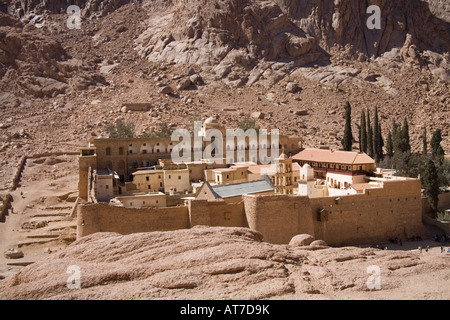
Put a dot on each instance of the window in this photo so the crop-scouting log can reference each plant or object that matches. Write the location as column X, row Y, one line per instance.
column 121, row 151
column 147, row 178
column 106, row 187
column 179, row 177
column 108, row 151
column 149, row 187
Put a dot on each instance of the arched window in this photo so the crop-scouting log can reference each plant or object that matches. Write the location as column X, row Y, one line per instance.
column 108, row 151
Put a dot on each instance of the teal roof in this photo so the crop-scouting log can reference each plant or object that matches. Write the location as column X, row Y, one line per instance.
column 238, row 189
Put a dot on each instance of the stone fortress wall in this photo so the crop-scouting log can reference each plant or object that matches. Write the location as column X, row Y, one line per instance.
column 375, row 216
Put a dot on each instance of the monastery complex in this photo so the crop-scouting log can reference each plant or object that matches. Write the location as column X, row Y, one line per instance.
column 133, row 185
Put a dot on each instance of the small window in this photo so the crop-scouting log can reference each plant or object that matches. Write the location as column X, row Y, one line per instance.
column 147, row 178
column 107, row 187
column 179, row 177
column 108, row 151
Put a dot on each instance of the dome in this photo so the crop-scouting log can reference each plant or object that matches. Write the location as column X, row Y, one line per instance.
column 306, row 166
column 283, row 157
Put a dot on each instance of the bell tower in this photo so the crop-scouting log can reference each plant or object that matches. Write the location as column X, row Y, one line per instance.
column 284, row 178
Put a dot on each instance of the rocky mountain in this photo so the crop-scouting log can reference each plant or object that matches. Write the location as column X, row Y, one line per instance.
column 248, row 55
column 244, row 41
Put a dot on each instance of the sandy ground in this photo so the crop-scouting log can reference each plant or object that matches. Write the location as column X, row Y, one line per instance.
column 40, row 198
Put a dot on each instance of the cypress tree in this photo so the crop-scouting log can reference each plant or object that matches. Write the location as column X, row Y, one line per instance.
column 431, row 185
column 424, row 141
column 389, row 145
column 395, row 137
column 376, row 136
column 363, row 133
column 369, row 136
column 347, row 140
column 436, row 148
column 405, row 141
column 380, row 135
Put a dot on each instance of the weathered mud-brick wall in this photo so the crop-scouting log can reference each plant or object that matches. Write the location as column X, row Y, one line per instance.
column 376, row 216
column 279, row 217
column 217, row 213
column 102, row 217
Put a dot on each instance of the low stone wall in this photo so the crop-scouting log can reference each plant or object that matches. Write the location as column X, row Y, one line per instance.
column 4, row 206
column 100, row 217
column 279, row 217
column 18, row 173
column 217, row 213
column 375, row 216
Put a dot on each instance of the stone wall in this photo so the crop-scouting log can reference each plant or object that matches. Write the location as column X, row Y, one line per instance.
column 375, row 216
column 379, row 214
column 100, row 217
column 217, row 213
column 279, row 217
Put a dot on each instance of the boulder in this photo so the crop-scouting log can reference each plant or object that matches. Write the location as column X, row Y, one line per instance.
column 292, row 87
column 319, row 243
column 166, row 90
column 301, row 112
column 184, row 84
column 196, row 79
column 301, row 240
column 258, row 115
column 13, row 254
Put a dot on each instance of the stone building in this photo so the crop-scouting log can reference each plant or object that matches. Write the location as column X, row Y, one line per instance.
column 283, row 179
column 339, row 169
column 128, row 155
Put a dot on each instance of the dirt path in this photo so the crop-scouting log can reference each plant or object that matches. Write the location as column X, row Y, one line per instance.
column 39, row 220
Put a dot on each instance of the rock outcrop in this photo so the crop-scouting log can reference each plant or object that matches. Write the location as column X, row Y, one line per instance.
column 37, row 65
column 222, row 263
column 244, row 42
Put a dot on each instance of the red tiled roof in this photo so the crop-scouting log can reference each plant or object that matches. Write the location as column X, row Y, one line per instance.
column 329, row 156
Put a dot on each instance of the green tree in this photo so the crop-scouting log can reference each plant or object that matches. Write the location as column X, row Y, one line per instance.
column 430, row 183
column 369, row 136
column 164, row 131
column 347, row 140
column 120, row 130
column 389, row 145
column 396, row 136
column 247, row 124
column 377, row 143
column 436, row 149
column 405, row 145
column 363, row 133
column 380, row 135
column 424, row 141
